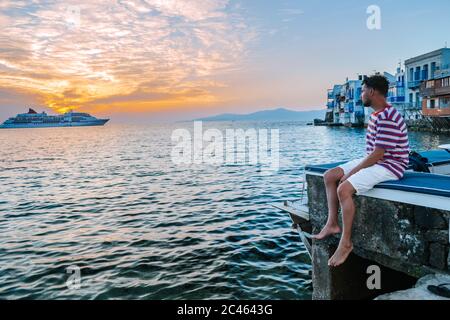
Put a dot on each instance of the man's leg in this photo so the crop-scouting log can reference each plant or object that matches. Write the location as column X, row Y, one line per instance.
column 345, row 194
column 331, row 179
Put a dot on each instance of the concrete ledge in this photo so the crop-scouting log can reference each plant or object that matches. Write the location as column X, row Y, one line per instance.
column 410, row 239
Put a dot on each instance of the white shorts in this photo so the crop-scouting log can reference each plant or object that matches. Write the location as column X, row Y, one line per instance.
column 365, row 179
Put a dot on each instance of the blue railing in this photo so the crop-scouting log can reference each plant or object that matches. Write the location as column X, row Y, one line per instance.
column 414, row 84
column 443, row 71
column 420, row 75
column 396, row 99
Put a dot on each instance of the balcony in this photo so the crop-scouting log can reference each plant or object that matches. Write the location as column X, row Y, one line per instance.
column 349, row 107
column 427, row 90
column 414, row 84
column 442, row 91
column 444, row 71
column 434, row 88
column 394, row 99
column 330, row 94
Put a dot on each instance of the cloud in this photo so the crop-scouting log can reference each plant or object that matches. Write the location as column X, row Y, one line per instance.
column 291, row 12
column 79, row 54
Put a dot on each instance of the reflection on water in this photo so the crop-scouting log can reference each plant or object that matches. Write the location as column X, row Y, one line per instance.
column 109, row 201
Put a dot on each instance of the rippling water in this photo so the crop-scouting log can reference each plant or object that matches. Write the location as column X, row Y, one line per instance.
column 108, row 200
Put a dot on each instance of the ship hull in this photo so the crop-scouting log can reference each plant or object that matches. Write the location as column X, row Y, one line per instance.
column 99, row 122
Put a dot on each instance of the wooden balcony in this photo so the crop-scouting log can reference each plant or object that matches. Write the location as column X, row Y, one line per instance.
column 434, row 88
column 442, row 91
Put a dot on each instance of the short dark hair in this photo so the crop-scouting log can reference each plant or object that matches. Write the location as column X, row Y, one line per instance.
column 377, row 82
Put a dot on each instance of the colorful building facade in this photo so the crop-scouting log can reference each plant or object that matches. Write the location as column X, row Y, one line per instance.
column 420, row 90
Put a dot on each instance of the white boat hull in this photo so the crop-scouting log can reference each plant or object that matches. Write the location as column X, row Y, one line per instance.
column 99, row 122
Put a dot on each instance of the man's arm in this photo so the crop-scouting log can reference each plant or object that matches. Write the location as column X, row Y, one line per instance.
column 369, row 161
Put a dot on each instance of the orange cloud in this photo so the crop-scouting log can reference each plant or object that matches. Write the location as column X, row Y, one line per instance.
column 133, row 55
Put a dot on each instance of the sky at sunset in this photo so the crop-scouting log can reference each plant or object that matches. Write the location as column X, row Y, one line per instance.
column 178, row 59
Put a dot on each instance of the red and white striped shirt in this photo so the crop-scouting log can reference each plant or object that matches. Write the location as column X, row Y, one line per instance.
column 387, row 130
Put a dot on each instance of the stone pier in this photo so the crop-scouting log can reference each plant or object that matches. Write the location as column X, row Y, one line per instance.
column 404, row 241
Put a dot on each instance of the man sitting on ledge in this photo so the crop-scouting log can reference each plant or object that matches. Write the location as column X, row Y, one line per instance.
column 387, row 158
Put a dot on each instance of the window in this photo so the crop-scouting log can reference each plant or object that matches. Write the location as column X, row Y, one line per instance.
column 445, row 82
column 417, row 75
column 432, row 104
column 444, row 103
column 425, row 72
column 433, row 68
column 430, row 84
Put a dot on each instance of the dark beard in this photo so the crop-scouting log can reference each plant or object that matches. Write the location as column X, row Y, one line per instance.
column 367, row 103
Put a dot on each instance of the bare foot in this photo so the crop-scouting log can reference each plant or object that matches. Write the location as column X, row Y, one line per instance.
column 340, row 255
column 327, row 231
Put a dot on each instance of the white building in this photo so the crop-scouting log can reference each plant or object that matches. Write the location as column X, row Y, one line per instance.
column 422, row 68
column 345, row 101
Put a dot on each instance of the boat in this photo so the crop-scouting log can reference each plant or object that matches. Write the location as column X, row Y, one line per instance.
column 32, row 119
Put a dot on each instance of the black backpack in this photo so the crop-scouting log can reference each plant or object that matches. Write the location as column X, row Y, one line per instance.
column 418, row 163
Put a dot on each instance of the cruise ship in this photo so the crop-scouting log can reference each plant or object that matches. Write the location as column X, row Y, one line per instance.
column 32, row 119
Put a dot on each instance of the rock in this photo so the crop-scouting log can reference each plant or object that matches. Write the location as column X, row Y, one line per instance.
column 427, row 219
column 438, row 256
column 440, row 236
column 420, row 291
column 388, row 228
column 448, row 260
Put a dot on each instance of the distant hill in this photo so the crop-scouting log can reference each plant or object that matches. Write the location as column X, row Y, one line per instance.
column 279, row 114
